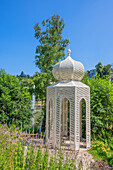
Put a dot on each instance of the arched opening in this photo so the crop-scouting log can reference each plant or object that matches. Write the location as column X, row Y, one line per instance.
column 83, row 123
column 65, row 122
column 50, row 120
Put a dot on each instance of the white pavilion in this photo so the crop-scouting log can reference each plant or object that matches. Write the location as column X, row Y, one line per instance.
column 63, row 108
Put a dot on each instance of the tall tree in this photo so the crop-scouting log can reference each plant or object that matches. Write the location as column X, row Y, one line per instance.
column 49, row 51
column 51, row 45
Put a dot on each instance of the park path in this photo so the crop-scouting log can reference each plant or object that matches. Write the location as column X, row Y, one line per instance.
column 85, row 158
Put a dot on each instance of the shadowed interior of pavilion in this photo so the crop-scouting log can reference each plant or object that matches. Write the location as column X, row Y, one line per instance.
column 65, row 124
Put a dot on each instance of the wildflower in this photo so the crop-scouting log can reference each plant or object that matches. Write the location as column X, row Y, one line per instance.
column 104, row 150
column 28, row 163
column 96, row 165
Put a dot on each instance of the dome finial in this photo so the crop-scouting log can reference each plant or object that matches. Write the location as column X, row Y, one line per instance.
column 68, row 69
column 68, row 51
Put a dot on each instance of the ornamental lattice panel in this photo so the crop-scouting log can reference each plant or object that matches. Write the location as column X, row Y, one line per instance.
column 63, row 108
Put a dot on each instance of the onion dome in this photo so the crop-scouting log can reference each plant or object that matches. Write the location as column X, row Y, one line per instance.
column 68, row 69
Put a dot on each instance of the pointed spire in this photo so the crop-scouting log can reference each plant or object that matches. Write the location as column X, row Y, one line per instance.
column 68, row 51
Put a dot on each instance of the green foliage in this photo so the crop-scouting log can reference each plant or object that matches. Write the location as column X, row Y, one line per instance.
column 101, row 102
column 49, row 51
column 83, row 118
column 52, row 46
column 39, row 117
column 15, row 101
column 103, row 71
column 104, row 150
column 41, row 82
column 28, row 85
column 99, row 69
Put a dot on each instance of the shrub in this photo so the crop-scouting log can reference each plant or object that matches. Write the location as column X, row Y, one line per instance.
column 105, row 150
column 101, row 103
column 15, row 101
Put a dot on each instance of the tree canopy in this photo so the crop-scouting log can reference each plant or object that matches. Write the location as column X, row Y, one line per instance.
column 50, row 49
column 51, row 44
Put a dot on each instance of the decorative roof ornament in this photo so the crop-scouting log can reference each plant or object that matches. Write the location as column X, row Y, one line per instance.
column 68, row 51
column 68, row 69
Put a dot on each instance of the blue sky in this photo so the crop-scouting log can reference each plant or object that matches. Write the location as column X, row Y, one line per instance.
column 88, row 25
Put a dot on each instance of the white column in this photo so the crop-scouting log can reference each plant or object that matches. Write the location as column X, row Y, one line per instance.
column 58, row 121
column 33, row 108
column 81, row 120
column 77, row 121
column 88, row 135
column 66, row 115
column 47, row 112
column 51, row 120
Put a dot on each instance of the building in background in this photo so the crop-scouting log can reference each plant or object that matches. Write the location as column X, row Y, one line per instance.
column 111, row 72
column 91, row 73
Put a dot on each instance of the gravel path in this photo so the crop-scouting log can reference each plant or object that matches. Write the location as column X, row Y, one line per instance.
column 85, row 158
